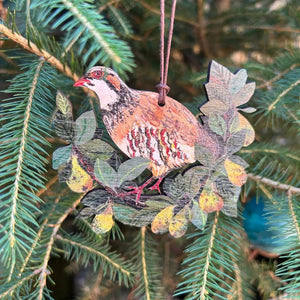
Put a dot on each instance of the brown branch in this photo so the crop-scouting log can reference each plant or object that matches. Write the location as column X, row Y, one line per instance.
column 103, row 7
column 8, row 59
column 202, row 30
column 274, row 184
column 31, row 47
column 157, row 12
column 272, row 28
column 47, row 186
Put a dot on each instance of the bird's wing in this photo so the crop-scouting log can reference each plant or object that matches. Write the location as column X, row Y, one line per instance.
column 179, row 122
column 166, row 134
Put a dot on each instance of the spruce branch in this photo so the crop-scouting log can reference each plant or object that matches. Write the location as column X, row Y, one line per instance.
column 108, row 4
column 274, row 184
column 42, row 228
column 92, row 250
column 238, row 281
column 270, row 151
column 144, row 264
column 98, row 37
column 208, row 269
column 17, row 185
column 289, row 234
column 33, row 246
column 11, row 290
column 89, row 34
column 44, row 272
column 271, row 81
column 282, row 94
column 203, row 291
column 22, row 153
column 148, row 264
column 293, row 214
column 31, row 47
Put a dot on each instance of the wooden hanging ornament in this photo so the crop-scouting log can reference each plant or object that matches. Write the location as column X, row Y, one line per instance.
column 160, row 139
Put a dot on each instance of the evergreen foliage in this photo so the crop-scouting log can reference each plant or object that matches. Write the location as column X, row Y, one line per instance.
column 45, row 46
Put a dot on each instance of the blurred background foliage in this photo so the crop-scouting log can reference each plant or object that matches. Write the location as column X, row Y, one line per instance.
column 47, row 253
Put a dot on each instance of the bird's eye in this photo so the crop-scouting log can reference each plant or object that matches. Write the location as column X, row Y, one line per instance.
column 97, row 74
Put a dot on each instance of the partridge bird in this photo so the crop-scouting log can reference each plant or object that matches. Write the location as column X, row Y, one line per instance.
column 140, row 127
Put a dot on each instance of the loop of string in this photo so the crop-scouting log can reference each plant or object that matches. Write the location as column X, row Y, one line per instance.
column 162, row 87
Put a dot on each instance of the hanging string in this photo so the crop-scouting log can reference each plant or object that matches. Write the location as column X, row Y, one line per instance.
column 162, row 87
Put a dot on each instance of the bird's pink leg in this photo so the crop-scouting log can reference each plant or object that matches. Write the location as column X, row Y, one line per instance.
column 139, row 189
column 155, row 186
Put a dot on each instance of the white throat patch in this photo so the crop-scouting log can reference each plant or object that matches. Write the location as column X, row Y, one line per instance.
column 105, row 94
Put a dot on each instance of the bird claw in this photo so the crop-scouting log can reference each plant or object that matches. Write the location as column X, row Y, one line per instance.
column 139, row 189
column 156, row 185
column 136, row 190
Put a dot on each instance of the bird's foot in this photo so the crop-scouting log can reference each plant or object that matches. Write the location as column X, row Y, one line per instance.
column 156, row 185
column 138, row 189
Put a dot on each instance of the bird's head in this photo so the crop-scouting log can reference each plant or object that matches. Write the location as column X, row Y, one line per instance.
column 106, row 83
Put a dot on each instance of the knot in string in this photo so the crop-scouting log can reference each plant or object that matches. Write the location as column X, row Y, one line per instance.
column 162, row 90
column 162, row 87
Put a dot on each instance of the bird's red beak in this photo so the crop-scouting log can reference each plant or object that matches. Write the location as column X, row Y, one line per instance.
column 81, row 81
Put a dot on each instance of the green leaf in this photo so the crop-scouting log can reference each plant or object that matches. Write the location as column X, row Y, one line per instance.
column 95, row 202
column 61, row 156
column 134, row 217
column 198, row 216
column 159, row 202
column 213, row 107
column 96, row 199
column 229, row 193
column 132, row 168
column 203, row 155
column 236, row 141
column 244, row 95
column 238, row 160
column 96, row 148
column 63, row 118
column 192, row 181
column 64, row 126
column 217, row 94
column 217, row 124
column 63, row 104
column 234, row 123
column 105, row 173
column 218, row 74
column 248, row 110
column 237, row 81
column 85, row 128
column 174, row 188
